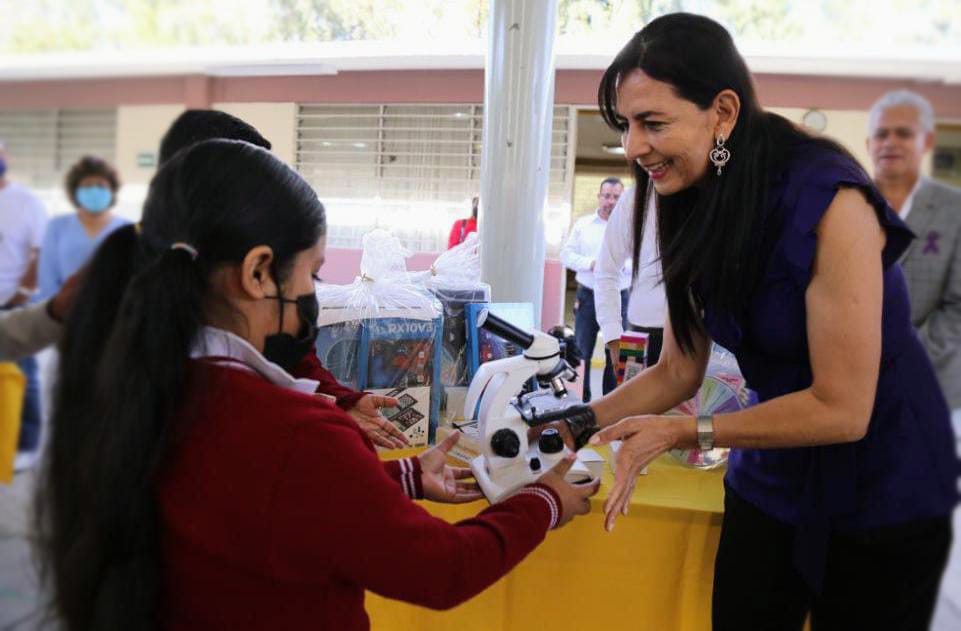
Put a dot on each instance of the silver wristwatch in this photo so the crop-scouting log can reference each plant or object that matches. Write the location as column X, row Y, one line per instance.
column 705, row 432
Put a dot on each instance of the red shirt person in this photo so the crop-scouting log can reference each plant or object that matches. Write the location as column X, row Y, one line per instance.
column 463, row 227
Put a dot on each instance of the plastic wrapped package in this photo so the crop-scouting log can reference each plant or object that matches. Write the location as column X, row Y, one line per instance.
column 454, row 279
column 382, row 334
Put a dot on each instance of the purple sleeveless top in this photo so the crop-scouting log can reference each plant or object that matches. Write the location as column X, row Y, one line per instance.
column 906, row 467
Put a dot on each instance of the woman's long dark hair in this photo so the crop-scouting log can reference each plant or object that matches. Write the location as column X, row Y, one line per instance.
column 709, row 233
column 97, row 516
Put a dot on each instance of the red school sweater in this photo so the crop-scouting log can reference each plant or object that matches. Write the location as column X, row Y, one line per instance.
column 277, row 514
column 311, row 368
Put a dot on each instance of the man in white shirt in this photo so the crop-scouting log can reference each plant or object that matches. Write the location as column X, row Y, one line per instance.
column 23, row 221
column 647, row 308
column 580, row 253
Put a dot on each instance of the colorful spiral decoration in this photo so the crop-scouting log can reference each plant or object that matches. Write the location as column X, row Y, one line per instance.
column 720, row 393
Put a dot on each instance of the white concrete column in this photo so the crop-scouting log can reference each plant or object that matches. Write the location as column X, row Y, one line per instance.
column 515, row 163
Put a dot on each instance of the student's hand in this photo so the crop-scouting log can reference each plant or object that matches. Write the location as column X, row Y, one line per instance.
column 442, row 482
column 382, row 432
column 575, row 498
column 644, row 439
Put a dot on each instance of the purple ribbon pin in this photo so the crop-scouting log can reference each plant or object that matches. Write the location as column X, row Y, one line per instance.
column 931, row 245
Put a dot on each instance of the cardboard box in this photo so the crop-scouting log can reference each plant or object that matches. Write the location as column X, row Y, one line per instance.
column 386, row 354
column 468, row 446
column 412, row 414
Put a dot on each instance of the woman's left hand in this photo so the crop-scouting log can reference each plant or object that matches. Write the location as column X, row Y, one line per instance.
column 644, row 439
column 442, row 482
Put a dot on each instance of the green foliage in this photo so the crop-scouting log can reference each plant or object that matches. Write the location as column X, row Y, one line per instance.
column 38, row 26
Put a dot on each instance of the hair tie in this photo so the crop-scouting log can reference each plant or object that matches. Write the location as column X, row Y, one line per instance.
column 186, row 247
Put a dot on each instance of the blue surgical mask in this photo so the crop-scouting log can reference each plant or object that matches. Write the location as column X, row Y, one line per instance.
column 95, row 199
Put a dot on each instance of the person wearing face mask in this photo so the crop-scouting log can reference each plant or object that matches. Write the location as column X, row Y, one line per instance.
column 191, row 127
column 194, row 483
column 91, row 185
column 779, row 247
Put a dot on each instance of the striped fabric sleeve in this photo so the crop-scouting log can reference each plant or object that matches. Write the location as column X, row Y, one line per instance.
column 548, row 495
column 410, row 478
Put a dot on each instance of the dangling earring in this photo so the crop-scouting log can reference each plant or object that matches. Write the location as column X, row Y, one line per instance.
column 719, row 155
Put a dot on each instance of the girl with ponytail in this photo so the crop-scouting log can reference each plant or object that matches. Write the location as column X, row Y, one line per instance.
column 192, row 482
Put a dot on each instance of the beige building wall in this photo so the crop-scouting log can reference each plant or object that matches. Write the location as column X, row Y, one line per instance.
column 139, row 130
column 848, row 127
column 277, row 122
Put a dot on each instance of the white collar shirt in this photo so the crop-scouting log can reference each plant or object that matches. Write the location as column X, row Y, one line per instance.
column 230, row 350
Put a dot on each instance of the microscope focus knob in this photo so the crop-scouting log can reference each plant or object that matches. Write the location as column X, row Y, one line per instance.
column 505, row 443
column 550, row 442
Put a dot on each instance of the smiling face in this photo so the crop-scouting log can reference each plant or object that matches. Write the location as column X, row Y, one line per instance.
column 668, row 136
column 897, row 143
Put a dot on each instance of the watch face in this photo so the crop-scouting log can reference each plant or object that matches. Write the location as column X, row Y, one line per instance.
column 815, row 120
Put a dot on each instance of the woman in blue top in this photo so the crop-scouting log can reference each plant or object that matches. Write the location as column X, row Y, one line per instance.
column 777, row 246
column 92, row 186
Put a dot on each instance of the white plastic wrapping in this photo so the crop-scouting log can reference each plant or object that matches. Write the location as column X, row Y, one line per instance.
column 384, row 288
column 456, row 268
column 382, row 333
column 454, row 278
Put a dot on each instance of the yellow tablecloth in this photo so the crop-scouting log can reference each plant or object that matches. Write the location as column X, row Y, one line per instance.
column 654, row 572
column 12, row 385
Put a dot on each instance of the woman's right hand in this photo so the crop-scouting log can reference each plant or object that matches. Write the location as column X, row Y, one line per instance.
column 575, row 498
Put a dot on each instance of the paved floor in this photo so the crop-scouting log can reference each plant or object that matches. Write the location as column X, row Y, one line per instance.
column 19, row 591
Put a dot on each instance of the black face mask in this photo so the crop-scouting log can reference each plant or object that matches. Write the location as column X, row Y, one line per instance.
column 284, row 349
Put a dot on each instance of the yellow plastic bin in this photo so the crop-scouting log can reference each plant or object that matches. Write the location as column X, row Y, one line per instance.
column 12, row 386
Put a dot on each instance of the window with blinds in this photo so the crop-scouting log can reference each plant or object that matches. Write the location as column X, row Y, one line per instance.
column 409, row 168
column 42, row 145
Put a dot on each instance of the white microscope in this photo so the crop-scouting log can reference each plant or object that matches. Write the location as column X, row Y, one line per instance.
column 507, row 462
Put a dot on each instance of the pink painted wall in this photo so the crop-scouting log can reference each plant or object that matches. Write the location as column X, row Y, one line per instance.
column 94, row 92
column 377, row 86
column 577, row 87
column 343, row 265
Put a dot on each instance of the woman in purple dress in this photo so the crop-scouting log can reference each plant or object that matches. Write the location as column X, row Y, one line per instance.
column 776, row 245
